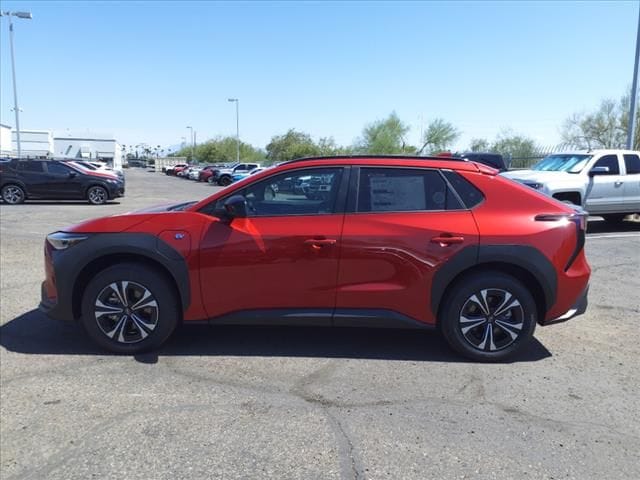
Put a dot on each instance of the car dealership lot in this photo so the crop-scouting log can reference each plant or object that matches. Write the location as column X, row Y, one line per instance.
column 312, row 403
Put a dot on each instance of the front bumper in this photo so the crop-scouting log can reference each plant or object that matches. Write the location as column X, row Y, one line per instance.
column 52, row 307
column 578, row 308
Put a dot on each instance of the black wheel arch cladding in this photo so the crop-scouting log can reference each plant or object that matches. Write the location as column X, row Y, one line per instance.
column 69, row 265
column 525, row 257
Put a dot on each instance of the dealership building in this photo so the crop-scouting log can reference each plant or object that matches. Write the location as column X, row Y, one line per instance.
column 43, row 144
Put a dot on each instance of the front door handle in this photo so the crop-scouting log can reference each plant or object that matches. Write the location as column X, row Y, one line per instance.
column 446, row 240
column 618, row 183
column 317, row 243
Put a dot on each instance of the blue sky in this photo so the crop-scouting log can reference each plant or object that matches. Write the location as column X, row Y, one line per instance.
column 143, row 71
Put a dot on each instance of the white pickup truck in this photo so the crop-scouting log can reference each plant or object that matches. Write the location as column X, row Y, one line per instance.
column 603, row 182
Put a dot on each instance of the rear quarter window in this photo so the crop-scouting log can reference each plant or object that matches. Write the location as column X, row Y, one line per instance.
column 468, row 193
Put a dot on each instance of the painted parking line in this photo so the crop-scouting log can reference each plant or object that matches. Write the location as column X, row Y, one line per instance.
column 615, row 235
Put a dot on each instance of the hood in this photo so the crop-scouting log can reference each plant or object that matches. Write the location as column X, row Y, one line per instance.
column 125, row 221
column 535, row 176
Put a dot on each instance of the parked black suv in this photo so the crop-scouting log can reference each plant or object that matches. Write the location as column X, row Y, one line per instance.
column 22, row 180
column 494, row 160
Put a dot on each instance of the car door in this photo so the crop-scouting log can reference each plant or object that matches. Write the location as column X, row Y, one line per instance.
column 282, row 259
column 33, row 175
column 632, row 182
column 605, row 191
column 401, row 226
column 64, row 182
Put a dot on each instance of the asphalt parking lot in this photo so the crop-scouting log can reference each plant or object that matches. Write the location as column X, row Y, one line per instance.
column 311, row 403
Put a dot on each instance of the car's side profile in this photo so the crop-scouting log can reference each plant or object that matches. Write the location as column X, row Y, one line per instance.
column 374, row 241
column 22, row 180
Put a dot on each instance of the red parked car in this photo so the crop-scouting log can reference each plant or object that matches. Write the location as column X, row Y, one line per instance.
column 365, row 241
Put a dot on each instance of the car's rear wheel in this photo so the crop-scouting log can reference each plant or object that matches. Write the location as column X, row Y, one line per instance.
column 13, row 194
column 224, row 181
column 97, row 195
column 129, row 308
column 488, row 316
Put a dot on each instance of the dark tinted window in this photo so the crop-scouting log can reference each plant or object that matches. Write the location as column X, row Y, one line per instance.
column 610, row 161
column 632, row 162
column 58, row 169
column 403, row 190
column 469, row 194
column 28, row 166
column 301, row 192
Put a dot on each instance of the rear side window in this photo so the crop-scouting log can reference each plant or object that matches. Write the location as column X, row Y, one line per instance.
column 32, row 167
column 403, row 190
column 467, row 192
column 610, row 161
column 632, row 162
column 58, row 169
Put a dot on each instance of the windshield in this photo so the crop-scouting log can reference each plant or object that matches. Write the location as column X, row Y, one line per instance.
column 571, row 163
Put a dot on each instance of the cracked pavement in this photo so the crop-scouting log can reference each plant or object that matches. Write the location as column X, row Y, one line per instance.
column 311, row 403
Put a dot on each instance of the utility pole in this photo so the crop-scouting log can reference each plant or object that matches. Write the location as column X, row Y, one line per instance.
column 634, row 91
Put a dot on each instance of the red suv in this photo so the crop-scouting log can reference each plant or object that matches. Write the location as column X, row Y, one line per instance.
column 365, row 241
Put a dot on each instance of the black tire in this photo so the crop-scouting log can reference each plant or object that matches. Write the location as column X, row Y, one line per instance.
column 13, row 194
column 97, row 195
column 224, row 180
column 491, row 340
column 154, row 320
column 614, row 217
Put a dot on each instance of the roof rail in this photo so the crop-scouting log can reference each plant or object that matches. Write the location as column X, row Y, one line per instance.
column 402, row 157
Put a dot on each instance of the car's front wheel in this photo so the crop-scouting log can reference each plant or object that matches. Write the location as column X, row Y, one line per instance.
column 224, row 181
column 488, row 316
column 129, row 308
column 97, row 195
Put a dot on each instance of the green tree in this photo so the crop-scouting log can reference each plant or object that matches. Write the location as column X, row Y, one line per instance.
column 521, row 149
column 605, row 127
column 439, row 136
column 385, row 137
column 291, row 145
column 222, row 150
column 479, row 145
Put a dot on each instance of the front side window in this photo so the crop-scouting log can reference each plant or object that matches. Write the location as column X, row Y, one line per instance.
column 301, row 192
column 403, row 190
column 611, row 162
column 632, row 162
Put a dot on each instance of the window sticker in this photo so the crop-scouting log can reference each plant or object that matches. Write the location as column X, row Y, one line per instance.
column 390, row 194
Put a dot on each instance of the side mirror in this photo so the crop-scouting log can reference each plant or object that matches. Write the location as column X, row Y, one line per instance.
column 234, row 207
column 598, row 171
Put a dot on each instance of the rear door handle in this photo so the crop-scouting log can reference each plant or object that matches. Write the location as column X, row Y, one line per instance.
column 317, row 244
column 446, row 240
column 618, row 183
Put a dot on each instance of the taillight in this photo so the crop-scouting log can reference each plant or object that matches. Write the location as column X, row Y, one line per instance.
column 579, row 219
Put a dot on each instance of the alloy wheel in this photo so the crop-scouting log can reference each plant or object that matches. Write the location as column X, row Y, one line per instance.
column 126, row 312
column 12, row 194
column 491, row 319
column 97, row 195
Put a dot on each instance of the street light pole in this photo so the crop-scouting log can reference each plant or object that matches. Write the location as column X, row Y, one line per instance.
column 634, row 91
column 192, row 143
column 237, row 102
column 27, row 16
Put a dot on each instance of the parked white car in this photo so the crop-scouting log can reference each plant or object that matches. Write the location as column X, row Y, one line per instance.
column 194, row 173
column 603, row 182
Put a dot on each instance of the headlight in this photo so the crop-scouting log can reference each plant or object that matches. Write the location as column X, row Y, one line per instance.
column 536, row 186
column 63, row 240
